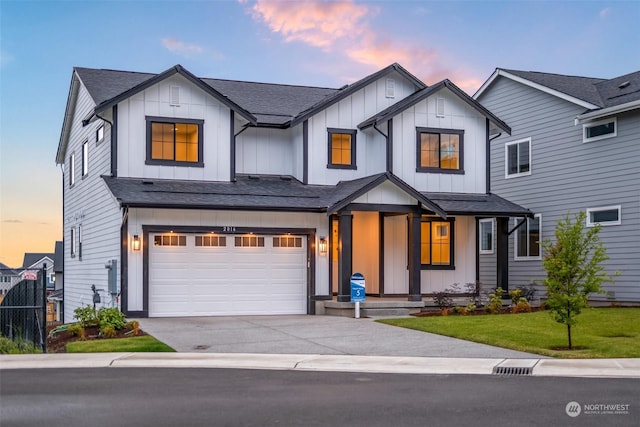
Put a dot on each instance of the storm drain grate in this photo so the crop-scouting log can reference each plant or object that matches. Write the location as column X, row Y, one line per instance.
column 201, row 347
column 512, row 370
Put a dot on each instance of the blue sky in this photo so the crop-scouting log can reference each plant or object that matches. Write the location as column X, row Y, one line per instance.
column 317, row 43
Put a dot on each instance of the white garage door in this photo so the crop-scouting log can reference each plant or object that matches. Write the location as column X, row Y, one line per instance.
column 212, row 274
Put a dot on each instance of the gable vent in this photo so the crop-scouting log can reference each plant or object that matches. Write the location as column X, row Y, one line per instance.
column 390, row 88
column 625, row 84
column 174, row 95
column 440, row 107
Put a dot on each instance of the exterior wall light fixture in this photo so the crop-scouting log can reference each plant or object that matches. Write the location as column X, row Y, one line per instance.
column 322, row 245
column 135, row 244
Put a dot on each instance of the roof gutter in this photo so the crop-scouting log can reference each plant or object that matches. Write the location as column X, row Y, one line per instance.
column 592, row 115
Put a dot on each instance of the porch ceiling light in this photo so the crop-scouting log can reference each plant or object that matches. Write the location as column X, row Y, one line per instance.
column 135, row 243
column 322, row 245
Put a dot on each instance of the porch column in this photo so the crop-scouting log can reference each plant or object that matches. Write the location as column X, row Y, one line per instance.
column 345, row 247
column 415, row 287
column 502, row 253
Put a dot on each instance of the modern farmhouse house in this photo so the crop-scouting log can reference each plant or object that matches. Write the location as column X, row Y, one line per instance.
column 574, row 146
column 188, row 196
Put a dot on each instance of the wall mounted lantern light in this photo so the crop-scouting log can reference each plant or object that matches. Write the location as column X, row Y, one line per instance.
column 136, row 242
column 322, row 245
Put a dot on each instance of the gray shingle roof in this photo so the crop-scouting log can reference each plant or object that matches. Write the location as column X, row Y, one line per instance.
column 601, row 92
column 477, row 204
column 31, row 258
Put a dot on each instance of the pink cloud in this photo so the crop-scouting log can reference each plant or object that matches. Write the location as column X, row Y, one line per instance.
column 344, row 26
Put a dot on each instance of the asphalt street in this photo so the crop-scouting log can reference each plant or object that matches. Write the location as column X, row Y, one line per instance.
column 237, row 397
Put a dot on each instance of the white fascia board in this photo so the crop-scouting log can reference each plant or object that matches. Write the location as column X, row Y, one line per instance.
column 533, row 85
column 594, row 115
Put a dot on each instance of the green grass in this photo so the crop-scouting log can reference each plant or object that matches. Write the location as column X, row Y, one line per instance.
column 145, row 343
column 600, row 332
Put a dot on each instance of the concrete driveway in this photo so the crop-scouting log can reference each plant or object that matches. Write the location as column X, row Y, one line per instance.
column 301, row 334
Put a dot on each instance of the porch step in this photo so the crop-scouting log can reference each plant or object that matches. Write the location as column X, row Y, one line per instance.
column 377, row 308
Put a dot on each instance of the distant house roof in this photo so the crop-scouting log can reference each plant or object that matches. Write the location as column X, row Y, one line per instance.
column 599, row 96
column 271, row 193
column 5, row 270
column 58, row 257
column 32, row 258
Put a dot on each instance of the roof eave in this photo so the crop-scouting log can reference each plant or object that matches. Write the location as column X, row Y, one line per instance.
column 68, row 118
column 617, row 109
column 220, row 207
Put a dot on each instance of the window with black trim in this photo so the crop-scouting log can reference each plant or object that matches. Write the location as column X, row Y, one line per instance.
column 72, row 169
column 528, row 239
column 99, row 134
column 79, row 244
column 72, row 243
column 85, row 158
column 436, row 243
column 440, row 150
column 342, row 149
column 485, row 230
column 174, row 142
column 517, row 158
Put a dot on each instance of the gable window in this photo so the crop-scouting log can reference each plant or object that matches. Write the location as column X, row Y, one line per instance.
column 599, row 130
column 85, row 158
column 528, row 239
column 174, row 142
column 518, row 158
column 99, row 134
column 609, row 215
column 72, row 169
column 485, row 229
column 72, row 243
column 439, row 150
column 436, row 243
column 342, row 149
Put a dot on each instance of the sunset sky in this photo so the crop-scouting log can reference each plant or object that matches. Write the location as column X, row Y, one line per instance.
column 316, row 43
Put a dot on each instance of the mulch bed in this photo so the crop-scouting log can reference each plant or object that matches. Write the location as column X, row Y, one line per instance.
column 58, row 343
column 478, row 312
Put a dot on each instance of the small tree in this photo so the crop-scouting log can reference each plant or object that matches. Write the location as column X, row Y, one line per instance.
column 574, row 269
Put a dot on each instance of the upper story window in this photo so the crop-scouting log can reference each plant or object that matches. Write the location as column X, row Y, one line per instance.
column 485, row 230
column 72, row 242
column 85, row 158
column 517, row 158
column 342, row 149
column 599, row 130
column 72, row 169
column 440, row 150
column 436, row 243
column 609, row 215
column 99, row 134
column 174, row 142
column 528, row 239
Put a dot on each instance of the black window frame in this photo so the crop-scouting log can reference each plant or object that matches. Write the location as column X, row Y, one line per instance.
column 452, row 263
column 439, row 132
column 152, row 119
column 72, row 169
column 99, row 129
column 84, row 166
column 330, row 133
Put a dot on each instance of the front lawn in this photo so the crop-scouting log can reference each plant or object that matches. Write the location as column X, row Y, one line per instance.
column 600, row 332
column 145, row 343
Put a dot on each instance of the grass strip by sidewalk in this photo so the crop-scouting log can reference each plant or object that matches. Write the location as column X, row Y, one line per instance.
column 600, row 332
column 145, row 343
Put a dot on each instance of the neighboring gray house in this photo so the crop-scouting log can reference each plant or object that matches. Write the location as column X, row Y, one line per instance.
column 189, row 196
column 36, row 261
column 574, row 146
column 8, row 277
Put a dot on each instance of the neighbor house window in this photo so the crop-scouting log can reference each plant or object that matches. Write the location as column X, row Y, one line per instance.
column 439, row 150
column 485, row 229
column 72, row 169
column 610, row 215
column 518, row 158
column 436, row 243
column 528, row 238
column 342, row 149
column 174, row 142
column 72, row 241
column 599, row 130
column 99, row 134
column 85, row 158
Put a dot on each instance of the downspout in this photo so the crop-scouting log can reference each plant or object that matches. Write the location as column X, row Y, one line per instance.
column 233, row 147
column 488, row 157
column 124, row 261
column 386, row 137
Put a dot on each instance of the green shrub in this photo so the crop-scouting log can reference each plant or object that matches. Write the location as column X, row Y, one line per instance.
column 443, row 300
column 17, row 346
column 108, row 331
column 87, row 316
column 522, row 306
column 134, row 326
column 471, row 307
column 515, row 296
column 77, row 330
column 495, row 302
column 111, row 316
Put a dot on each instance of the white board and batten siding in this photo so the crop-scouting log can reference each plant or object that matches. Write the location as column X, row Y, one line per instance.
column 89, row 207
column 262, row 151
column 347, row 114
column 568, row 175
column 457, row 115
column 194, row 103
column 268, row 274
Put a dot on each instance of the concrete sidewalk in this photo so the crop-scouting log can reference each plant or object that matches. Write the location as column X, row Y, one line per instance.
column 596, row 368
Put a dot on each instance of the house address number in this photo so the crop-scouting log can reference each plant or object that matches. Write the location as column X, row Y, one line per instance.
column 228, row 229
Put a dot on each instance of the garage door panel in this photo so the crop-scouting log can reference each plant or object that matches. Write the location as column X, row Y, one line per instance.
column 195, row 280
